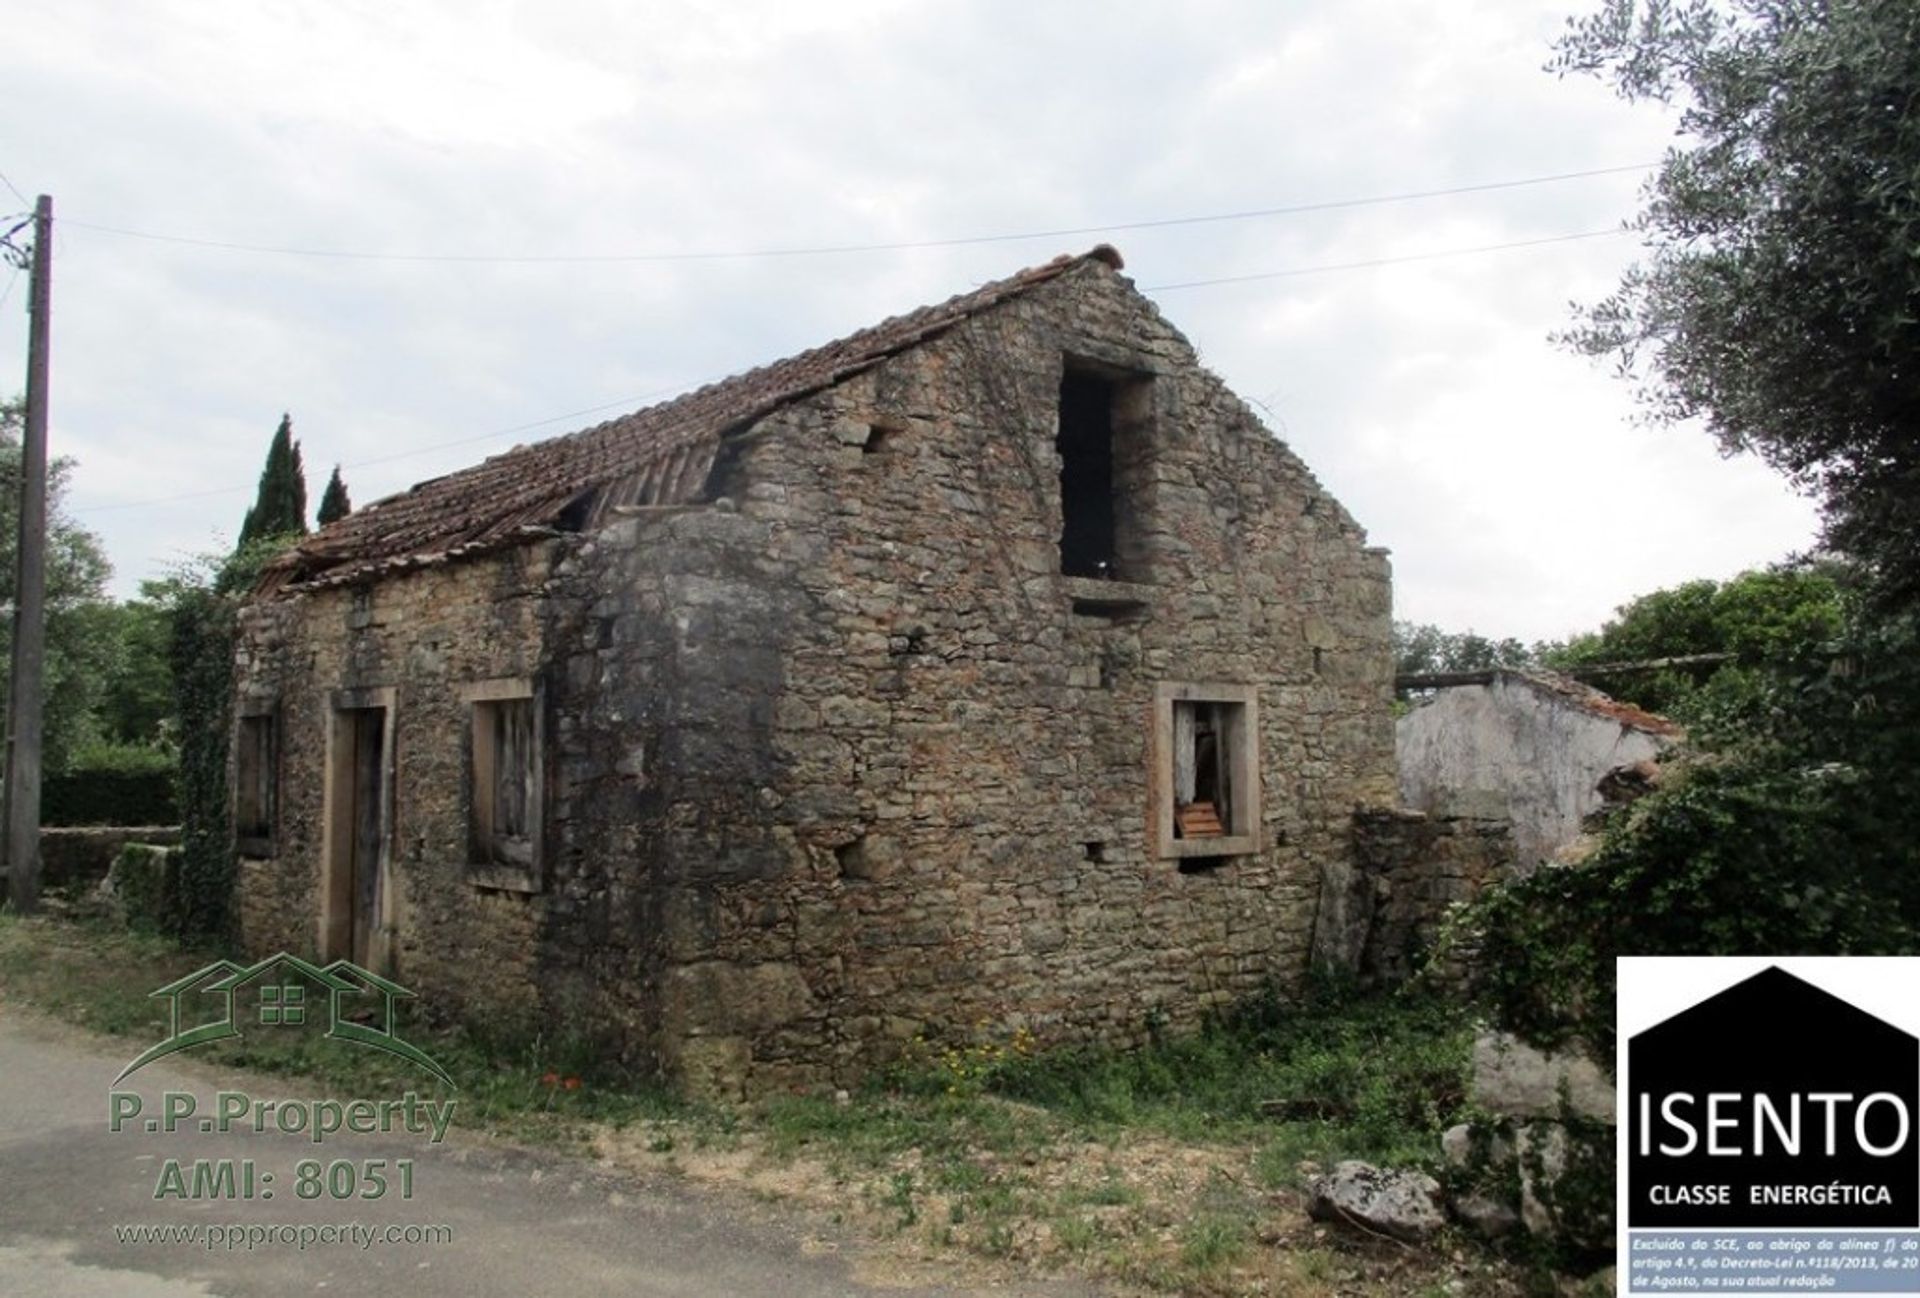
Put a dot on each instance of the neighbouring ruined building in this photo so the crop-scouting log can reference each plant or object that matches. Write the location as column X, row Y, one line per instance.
column 1530, row 747
column 992, row 665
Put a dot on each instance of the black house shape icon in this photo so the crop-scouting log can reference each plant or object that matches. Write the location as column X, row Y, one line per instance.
column 1779, row 1036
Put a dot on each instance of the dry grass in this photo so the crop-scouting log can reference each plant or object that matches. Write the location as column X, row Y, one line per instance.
column 1174, row 1190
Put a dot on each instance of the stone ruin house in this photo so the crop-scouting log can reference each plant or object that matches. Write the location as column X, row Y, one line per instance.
column 992, row 665
column 1529, row 747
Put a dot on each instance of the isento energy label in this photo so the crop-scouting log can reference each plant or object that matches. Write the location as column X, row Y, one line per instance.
column 1768, row 1135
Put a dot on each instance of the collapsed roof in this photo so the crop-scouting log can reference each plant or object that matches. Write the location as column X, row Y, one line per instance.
column 660, row 455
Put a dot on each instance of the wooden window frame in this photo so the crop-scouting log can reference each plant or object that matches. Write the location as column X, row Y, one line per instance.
column 483, row 870
column 1243, row 836
column 257, row 846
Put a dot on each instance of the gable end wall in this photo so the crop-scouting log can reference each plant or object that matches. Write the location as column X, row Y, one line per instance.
column 833, row 762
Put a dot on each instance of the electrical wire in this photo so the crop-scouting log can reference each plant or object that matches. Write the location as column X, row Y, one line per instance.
column 1382, row 261
column 634, row 403
column 1294, row 209
column 626, row 403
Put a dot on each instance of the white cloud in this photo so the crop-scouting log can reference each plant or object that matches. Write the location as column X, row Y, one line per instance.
column 1507, row 475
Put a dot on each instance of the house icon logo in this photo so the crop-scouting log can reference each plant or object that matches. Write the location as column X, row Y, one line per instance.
column 356, row 1003
column 1773, row 1104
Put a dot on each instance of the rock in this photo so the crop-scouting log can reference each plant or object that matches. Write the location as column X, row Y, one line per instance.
column 1630, row 783
column 1485, row 1215
column 1512, row 1078
column 1543, row 1161
column 1477, row 1151
column 1402, row 1204
column 1577, row 851
column 1546, row 1152
column 1457, row 1146
column 1603, row 1283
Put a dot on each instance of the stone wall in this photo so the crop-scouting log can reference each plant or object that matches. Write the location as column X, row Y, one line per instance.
column 79, row 856
column 1411, row 869
column 423, row 634
column 1512, row 748
column 841, row 758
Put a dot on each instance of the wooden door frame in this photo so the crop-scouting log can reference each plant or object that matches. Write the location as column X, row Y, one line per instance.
column 337, row 833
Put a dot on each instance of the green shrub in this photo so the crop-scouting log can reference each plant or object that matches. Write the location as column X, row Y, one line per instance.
column 1338, row 1076
column 1798, row 832
column 124, row 758
column 113, row 784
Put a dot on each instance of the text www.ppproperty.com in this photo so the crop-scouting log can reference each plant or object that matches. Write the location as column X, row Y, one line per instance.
column 236, row 1237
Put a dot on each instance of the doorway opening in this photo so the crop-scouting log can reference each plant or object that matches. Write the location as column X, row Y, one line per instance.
column 356, row 915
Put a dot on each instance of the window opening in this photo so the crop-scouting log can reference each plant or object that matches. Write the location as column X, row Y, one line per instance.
column 255, row 781
column 1202, row 772
column 1085, row 442
column 503, row 776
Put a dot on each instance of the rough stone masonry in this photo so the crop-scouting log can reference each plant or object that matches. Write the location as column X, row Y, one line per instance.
column 825, row 749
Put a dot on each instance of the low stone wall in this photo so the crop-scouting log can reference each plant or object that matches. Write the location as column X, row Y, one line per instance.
column 1410, row 868
column 80, row 856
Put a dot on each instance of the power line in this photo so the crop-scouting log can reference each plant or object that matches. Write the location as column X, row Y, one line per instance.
column 631, row 403
column 1294, row 209
column 16, row 190
column 1382, row 261
column 628, row 403
column 625, row 403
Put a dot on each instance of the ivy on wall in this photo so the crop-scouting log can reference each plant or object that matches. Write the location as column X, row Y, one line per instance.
column 201, row 649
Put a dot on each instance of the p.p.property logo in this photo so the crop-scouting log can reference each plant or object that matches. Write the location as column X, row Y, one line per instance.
column 356, row 1004
column 281, row 994
column 1768, row 1135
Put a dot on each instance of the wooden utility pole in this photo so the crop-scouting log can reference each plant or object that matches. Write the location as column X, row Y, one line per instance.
column 22, row 793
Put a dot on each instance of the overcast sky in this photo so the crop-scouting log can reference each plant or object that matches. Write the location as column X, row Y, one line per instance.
column 1510, row 479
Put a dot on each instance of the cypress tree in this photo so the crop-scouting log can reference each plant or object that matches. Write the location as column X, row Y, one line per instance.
column 280, row 506
column 333, row 501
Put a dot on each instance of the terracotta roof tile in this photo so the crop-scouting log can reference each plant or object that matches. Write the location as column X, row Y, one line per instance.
column 662, row 452
column 1600, row 704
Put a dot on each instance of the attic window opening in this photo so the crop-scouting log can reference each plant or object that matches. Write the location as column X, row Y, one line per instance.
column 1102, row 418
column 879, row 438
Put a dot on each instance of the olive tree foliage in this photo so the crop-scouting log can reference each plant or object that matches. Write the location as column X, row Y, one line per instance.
column 1779, row 297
